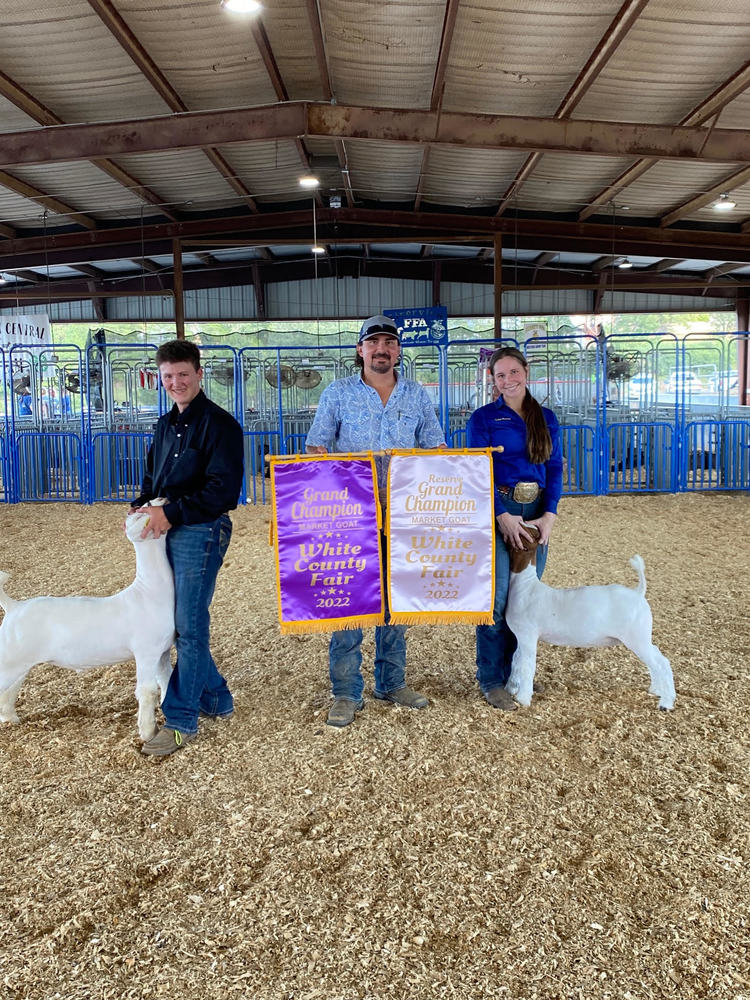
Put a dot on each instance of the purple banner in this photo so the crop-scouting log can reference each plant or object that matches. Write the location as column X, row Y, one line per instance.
column 327, row 543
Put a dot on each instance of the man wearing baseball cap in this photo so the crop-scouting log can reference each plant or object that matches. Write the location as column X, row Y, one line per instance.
column 375, row 410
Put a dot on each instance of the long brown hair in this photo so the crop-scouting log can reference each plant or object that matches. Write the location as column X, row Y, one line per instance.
column 538, row 440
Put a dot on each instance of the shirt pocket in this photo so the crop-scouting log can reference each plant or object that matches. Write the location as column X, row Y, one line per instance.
column 189, row 462
column 406, row 429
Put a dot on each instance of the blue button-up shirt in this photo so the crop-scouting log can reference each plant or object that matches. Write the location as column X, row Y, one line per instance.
column 497, row 423
column 351, row 417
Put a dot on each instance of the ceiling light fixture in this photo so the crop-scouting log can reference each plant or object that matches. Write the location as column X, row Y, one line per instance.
column 625, row 263
column 317, row 249
column 309, row 181
column 242, row 6
column 724, row 204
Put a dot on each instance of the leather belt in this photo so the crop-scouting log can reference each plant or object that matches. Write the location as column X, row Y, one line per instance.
column 521, row 492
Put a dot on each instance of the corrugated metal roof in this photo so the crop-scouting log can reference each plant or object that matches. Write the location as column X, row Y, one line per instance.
column 675, row 54
column 669, row 184
column 567, row 183
column 472, row 178
column 383, row 54
column 63, row 54
column 385, row 170
column 520, row 59
column 202, row 50
column 184, row 179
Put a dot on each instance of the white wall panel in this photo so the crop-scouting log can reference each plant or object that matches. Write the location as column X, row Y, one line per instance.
column 59, row 312
column 463, row 299
column 353, row 298
column 329, row 298
column 658, row 302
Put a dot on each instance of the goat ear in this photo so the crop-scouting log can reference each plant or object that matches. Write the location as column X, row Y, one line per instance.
column 535, row 533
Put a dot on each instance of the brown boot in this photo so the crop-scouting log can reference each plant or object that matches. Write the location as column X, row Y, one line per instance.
column 342, row 711
column 406, row 697
column 498, row 697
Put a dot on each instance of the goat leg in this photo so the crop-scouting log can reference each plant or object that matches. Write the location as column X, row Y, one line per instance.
column 523, row 667
column 659, row 669
column 8, row 700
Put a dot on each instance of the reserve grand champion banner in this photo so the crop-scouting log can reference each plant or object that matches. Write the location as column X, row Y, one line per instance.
column 327, row 537
column 441, row 537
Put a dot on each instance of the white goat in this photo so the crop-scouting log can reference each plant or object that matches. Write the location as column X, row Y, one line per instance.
column 84, row 632
column 579, row 616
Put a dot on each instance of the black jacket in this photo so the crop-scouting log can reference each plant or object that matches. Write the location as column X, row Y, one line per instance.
column 196, row 462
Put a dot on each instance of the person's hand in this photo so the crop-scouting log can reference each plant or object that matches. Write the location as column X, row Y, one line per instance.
column 512, row 529
column 157, row 524
column 317, row 449
column 544, row 523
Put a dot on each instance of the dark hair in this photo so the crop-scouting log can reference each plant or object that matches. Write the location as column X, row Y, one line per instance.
column 538, row 440
column 178, row 350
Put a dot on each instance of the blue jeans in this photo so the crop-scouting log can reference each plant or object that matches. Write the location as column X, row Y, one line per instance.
column 496, row 644
column 195, row 552
column 345, row 656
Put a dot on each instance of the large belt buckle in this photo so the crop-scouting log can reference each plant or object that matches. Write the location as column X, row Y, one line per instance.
column 525, row 492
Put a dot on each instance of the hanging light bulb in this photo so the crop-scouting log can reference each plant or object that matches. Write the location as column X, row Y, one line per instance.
column 724, row 204
column 242, row 6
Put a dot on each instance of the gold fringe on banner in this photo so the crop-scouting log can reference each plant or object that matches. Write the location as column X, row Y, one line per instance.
column 329, row 624
column 441, row 618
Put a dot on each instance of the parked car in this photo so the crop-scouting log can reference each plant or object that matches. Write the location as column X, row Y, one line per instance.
column 724, row 381
column 641, row 385
column 685, row 381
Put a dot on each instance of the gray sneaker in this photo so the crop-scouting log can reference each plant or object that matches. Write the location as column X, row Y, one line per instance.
column 166, row 741
column 406, row 697
column 341, row 713
column 498, row 697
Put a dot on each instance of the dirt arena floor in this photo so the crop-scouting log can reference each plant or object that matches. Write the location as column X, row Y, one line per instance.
column 589, row 847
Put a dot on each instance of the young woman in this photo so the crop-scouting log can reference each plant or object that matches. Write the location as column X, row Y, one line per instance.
column 528, row 483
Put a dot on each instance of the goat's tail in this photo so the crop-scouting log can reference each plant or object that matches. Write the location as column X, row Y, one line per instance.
column 638, row 565
column 5, row 602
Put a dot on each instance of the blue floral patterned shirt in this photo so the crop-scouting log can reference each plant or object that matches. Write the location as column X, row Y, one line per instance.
column 351, row 417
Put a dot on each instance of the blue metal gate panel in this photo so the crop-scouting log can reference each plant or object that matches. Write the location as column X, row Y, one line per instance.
column 638, row 413
column 6, row 493
column 258, row 444
column 117, row 463
column 49, row 466
column 716, row 455
column 580, row 460
column 640, row 458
